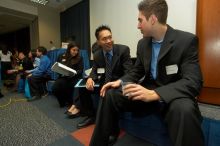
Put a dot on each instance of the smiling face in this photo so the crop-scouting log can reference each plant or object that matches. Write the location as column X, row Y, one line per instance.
column 105, row 40
column 21, row 55
column 74, row 51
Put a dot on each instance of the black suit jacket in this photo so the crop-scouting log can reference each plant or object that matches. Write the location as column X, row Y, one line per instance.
column 121, row 63
column 178, row 49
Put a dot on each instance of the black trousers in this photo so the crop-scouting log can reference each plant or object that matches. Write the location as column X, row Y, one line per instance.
column 63, row 89
column 37, row 85
column 182, row 117
column 86, row 102
column 4, row 67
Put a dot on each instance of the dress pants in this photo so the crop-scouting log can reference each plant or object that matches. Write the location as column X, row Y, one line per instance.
column 182, row 117
column 37, row 85
column 63, row 89
column 86, row 101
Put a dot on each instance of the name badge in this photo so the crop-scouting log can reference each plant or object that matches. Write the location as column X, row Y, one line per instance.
column 171, row 69
column 100, row 70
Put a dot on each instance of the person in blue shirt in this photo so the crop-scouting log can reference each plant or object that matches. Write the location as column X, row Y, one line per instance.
column 37, row 79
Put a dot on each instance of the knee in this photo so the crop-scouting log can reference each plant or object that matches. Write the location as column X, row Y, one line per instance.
column 112, row 93
column 109, row 94
column 183, row 107
column 114, row 96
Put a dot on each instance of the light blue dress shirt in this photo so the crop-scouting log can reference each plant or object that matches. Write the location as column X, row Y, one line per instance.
column 156, row 45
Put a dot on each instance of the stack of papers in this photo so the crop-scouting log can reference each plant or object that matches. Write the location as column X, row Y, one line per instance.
column 63, row 69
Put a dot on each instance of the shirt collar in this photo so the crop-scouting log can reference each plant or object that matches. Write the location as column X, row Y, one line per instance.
column 110, row 52
column 157, row 42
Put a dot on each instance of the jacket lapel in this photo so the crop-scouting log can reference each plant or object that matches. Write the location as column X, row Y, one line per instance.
column 101, row 59
column 167, row 43
column 115, row 55
column 147, row 53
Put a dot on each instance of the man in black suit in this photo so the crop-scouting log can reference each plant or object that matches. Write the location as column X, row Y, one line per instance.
column 110, row 63
column 168, row 59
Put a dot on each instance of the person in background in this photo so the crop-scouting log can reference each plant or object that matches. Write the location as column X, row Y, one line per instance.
column 6, row 64
column 24, row 64
column 95, row 47
column 168, row 58
column 63, row 87
column 38, row 78
column 15, row 59
column 110, row 62
column 35, row 60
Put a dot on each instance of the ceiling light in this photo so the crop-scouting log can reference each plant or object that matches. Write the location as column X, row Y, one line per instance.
column 43, row 2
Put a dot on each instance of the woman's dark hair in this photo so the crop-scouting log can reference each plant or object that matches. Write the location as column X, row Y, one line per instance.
column 72, row 59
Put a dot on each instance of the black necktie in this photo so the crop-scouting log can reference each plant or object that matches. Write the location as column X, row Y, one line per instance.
column 108, row 68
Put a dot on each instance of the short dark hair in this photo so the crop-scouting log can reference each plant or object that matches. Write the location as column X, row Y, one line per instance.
column 156, row 7
column 101, row 28
column 42, row 49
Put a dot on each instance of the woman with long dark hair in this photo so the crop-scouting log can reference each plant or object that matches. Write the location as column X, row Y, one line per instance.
column 63, row 87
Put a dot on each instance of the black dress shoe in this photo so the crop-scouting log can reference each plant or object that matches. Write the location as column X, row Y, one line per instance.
column 1, row 95
column 45, row 94
column 72, row 116
column 34, row 98
column 86, row 122
column 112, row 140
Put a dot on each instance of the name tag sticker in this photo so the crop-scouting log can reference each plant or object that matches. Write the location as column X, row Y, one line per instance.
column 100, row 70
column 171, row 69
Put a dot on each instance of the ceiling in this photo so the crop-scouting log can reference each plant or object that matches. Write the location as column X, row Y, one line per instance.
column 11, row 20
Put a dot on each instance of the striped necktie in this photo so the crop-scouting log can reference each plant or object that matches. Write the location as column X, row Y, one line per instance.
column 108, row 68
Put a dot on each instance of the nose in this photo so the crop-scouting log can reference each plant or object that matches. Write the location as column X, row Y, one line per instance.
column 108, row 40
column 138, row 25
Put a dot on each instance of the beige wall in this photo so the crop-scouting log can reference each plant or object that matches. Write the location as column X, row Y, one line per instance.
column 49, row 27
column 121, row 16
column 44, row 28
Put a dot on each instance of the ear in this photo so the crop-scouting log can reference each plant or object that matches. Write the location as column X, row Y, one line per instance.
column 153, row 19
column 97, row 42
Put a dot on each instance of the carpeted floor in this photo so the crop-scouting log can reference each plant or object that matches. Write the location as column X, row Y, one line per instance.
column 42, row 123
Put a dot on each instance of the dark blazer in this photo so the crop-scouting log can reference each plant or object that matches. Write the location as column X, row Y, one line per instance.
column 121, row 63
column 179, row 50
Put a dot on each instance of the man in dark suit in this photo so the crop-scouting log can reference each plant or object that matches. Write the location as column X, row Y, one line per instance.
column 168, row 59
column 110, row 63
